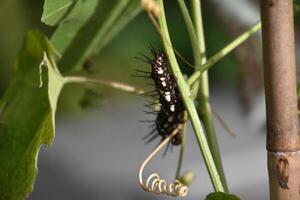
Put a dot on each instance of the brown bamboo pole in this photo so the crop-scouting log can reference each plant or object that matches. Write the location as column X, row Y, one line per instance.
column 283, row 140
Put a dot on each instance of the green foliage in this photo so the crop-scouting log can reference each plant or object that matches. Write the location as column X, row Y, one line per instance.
column 55, row 83
column 221, row 196
column 26, row 118
column 89, row 27
column 71, row 24
column 27, row 111
column 54, row 10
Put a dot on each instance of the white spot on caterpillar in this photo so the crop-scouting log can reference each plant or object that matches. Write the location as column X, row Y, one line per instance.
column 164, row 84
column 160, row 71
column 159, row 60
column 162, row 78
column 168, row 98
column 172, row 108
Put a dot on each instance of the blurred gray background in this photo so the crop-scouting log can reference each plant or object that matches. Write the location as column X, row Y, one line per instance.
column 97, row 155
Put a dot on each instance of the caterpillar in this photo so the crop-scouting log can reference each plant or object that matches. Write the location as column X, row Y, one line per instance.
column 172, row 110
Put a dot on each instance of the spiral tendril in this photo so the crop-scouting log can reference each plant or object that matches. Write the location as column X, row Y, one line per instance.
column 157, row 185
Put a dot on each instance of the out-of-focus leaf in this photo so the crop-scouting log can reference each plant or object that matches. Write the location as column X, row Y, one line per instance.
column 217, row 36
column 132, row 10
column 69, row 27
column 26, row 118
column 221, row 196
column 55, row 10
column 78, row 38
column 91, row 99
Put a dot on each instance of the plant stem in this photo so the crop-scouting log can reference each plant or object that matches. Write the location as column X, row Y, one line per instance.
column 189, row 104
column 191, row 30
column 223, row 52
column 113, row 84
column 196, row 52
column 204, row 107
column 283, row 139
column 180, row 160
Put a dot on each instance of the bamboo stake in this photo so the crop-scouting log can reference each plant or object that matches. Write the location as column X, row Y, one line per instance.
column 283, row 140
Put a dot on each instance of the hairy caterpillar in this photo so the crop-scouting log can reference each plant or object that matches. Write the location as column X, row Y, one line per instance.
column 172, row 110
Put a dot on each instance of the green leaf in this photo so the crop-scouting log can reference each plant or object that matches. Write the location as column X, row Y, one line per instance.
column 221, row 196
column 89, row 27
column 55, row 83
column 69, row 27
column 55, row 10
column 27, row 119
column 131, row 11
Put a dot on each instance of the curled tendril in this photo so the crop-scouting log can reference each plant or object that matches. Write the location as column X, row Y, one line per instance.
column 157, row 185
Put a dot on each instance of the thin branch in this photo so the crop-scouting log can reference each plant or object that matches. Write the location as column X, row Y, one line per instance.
column 191, row 30
column 196, row 52
column 109, row 83
column 204, row 107
column 224, row 124
column 182, row 147
column 223, row 52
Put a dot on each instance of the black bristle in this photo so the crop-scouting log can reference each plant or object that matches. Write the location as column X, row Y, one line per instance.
column 172, row 110
column 150, row 84
column 146, row 121
column 150, row 112
column 152, row 49
column 150, row 104
column 150, row 92
column 141, row 76
column 152, row 126
column 149, row 134
column 141, row 71
column 151, row 139
column 143, row 58
column 166, row 150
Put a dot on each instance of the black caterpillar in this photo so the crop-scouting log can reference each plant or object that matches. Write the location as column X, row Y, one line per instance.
column 172, row 110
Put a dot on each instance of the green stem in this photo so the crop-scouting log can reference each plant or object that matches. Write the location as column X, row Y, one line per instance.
column 223, row 52
column 196, row 51
column 189, row 104
column 204, row 107
column 191, row 31
column 180, row 160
